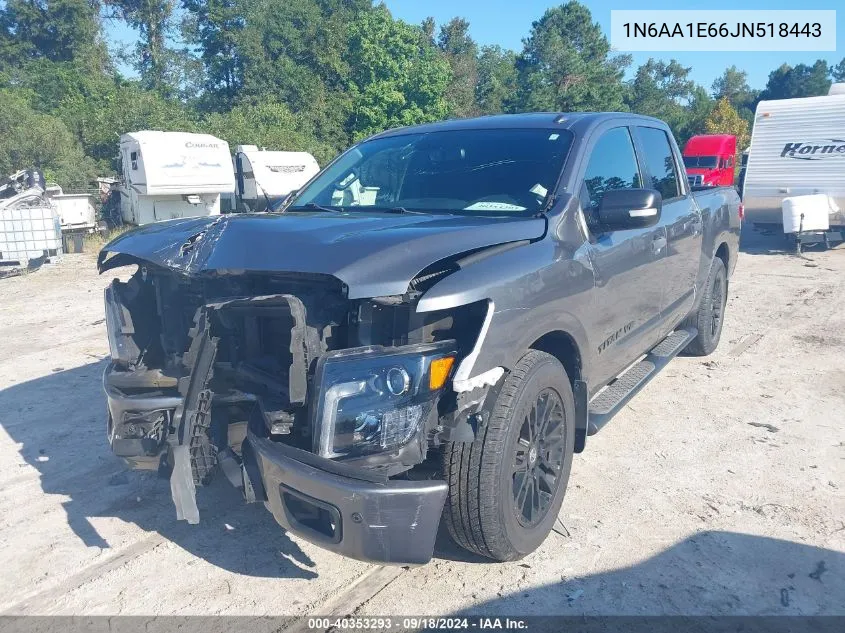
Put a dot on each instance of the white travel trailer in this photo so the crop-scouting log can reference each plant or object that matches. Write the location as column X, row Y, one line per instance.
column 797, row 149
column 264, row 177
column 170, row 175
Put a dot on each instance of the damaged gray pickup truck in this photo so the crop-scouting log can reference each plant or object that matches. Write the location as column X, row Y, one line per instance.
column 430, row 328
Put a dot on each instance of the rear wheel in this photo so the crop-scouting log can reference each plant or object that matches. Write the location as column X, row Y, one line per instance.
column 507, row 486
column 708, row 319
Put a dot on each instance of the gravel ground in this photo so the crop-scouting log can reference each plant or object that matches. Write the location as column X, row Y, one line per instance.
column 718, row 490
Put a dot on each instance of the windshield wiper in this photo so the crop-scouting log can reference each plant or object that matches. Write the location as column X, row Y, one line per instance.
column 397, row 210
column 313, row 206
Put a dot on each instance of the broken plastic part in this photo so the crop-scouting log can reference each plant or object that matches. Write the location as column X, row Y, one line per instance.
column 192, row 418
column 488, row 378
column 182, row 486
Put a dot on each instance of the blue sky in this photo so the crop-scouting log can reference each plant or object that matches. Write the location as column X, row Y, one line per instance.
column 506, row 22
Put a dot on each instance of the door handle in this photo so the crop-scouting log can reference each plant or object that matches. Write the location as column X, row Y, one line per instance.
column 658, row 244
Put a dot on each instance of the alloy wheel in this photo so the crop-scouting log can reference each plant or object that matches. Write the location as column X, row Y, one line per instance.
column 538, row 458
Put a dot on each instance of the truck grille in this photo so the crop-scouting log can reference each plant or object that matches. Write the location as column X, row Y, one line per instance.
column 696, row 181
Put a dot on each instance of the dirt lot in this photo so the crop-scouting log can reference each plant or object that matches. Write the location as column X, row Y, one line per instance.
column 719, row 490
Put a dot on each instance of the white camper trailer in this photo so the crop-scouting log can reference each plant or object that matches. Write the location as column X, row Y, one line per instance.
column 264, row 177
column 170, row 175
column 797, row 149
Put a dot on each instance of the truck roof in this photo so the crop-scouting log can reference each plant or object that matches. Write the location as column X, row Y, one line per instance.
column 564, row 120
column 710, row 145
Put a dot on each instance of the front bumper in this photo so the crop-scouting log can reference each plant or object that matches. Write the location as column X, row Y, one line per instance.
column 355, row 512
column 347, row 510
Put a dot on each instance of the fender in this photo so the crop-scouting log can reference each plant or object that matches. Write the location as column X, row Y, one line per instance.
column 535, row 289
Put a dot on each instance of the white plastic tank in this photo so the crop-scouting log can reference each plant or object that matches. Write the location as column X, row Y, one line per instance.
column 29, row 229
column 815, row 209
column 837, row 89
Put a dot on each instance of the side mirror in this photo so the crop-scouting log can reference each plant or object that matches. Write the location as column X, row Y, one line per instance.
column 623, row 209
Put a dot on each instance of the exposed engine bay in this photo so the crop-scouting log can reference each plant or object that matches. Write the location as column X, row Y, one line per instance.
column 199, row 361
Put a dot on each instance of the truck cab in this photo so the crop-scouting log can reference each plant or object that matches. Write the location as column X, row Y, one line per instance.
column 710, row 160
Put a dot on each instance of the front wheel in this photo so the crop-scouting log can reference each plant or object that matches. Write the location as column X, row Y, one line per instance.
column 507, row 486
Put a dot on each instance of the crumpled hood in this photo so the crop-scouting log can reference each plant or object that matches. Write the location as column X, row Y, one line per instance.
column 374, row 254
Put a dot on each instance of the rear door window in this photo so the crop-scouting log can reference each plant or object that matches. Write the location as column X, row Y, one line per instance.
column 659, row 160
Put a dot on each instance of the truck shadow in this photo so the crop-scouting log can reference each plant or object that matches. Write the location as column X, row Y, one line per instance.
column 710, row 573
column 59, row 420
column 763, row 240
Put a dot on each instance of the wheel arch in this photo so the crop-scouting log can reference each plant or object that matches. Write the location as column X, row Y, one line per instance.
column 563, row 346
column 723, row 252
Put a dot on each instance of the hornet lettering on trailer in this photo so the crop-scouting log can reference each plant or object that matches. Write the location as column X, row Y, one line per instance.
column 817, row 150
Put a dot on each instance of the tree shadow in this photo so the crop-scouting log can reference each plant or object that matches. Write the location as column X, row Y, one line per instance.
column 60, row 422
column 708, row 574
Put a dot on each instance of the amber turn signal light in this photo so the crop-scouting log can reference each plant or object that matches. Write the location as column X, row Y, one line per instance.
column 439, row 372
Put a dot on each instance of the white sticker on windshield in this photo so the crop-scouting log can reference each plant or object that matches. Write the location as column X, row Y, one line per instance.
column 554, row 137
column 494, row 206
column 539, row 190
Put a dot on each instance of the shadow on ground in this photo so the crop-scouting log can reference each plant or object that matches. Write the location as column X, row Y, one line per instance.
column 60, row 419
column 711, row 573
column 769, row 239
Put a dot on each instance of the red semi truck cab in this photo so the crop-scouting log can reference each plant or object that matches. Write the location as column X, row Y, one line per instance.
column 710, row 159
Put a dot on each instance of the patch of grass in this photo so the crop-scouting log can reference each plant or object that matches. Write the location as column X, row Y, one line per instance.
column 95, row 241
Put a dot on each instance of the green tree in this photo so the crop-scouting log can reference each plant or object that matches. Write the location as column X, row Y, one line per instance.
column 461, row 52
column 724, row 119
column 267, row 124
column 53, row 30
column 733, row 86
column 497, row 80
column 664, row 90
column 153, row 59
column 566, row 64
column 105, row 110
column 788, row 82
column 697, row 109
column 215, row 26
column 661, row 90
column 398, row 77
column 297, row 52
column 428, row 26
column 837, row 73
column 33, row 139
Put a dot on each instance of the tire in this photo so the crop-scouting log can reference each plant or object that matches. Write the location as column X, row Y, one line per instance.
column 481, row 511
column 708, row 319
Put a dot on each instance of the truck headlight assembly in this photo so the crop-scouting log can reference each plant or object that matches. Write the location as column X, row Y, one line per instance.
column 374, row 400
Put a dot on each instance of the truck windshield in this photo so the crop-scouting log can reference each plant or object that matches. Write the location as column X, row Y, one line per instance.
column 701, row 161
column 484, row 172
